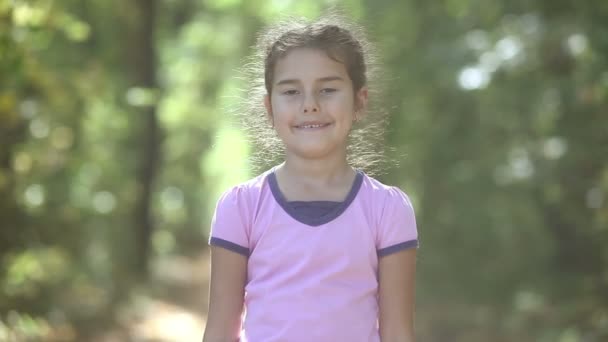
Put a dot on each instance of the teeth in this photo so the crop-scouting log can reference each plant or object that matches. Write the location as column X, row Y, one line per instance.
column 312, row 126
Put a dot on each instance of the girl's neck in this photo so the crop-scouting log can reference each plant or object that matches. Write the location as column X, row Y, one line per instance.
column 301, row 180
column 321, row 172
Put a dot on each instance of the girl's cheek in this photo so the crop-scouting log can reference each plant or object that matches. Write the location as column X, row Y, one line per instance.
column 280, row 104
column 292, row 98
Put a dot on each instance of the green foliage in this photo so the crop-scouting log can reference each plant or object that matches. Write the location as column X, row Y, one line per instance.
column 498, row 120
column 500, row 113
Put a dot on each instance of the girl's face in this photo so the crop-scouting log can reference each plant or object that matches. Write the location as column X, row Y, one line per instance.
column 312, row 104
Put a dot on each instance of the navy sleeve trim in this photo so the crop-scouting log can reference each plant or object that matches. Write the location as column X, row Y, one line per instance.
column 398, row 247
column 229, row 246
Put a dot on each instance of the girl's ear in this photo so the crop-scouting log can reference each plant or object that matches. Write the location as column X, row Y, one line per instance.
column 361, row 98
column 268, row 107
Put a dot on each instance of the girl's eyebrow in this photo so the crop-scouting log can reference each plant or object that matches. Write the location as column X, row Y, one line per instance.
column 330, row 78
column 322, row 79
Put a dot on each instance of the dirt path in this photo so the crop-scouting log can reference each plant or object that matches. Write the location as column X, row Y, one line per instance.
column 175, row 308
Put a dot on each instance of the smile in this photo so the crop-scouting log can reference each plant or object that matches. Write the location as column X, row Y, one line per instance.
column 309, row 126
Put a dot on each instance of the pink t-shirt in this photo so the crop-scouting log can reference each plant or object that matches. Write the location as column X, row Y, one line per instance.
column 312, row 280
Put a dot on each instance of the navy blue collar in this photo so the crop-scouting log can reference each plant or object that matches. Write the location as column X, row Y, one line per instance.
column 314, row 213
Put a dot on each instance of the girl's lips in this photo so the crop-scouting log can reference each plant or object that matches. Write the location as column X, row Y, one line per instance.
column 312, row 126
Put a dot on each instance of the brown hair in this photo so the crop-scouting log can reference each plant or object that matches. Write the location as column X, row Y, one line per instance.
column 344, row 42
column 337, row 42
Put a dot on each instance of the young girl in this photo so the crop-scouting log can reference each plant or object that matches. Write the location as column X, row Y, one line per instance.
column 313, row 249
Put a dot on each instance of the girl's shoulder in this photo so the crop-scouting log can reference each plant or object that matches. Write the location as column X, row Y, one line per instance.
column 383, row 202
column 393, row 213
column 379, row 191
column 245, row 191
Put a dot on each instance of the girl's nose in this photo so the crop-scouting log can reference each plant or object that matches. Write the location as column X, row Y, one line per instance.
column 311, row 105
column 311, row 109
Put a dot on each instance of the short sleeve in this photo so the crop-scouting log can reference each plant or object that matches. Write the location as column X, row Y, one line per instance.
column 229, row 227
column 397, row 228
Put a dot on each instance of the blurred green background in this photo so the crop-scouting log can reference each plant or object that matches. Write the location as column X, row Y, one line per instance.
column 116, row 140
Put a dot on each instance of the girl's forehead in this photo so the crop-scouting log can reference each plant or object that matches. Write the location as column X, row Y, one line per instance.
column 308, row 63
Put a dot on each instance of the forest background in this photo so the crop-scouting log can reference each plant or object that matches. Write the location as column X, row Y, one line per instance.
column 116, row 141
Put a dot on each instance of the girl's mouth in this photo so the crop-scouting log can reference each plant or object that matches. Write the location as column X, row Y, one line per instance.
column 313, row 126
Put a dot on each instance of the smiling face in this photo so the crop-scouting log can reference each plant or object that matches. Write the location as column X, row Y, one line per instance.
column 312, row 103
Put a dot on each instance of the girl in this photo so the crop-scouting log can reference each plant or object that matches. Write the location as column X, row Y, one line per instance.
column 313, row 249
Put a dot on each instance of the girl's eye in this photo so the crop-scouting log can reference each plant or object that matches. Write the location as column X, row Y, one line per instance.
column 290, row 92
column 328, row 90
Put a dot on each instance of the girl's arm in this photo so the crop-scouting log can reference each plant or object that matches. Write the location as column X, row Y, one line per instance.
column 226, row 295
column 396, row 299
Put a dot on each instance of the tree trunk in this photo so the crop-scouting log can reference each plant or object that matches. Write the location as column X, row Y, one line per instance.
column 143, row 63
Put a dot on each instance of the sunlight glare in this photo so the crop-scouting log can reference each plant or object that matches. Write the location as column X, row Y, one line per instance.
column 104, row 202
column 508, row 47
column 39, row 128
column 577, row 44
column 471, row 78
column 34, row 195
column 170, row 323
column 554, row 147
